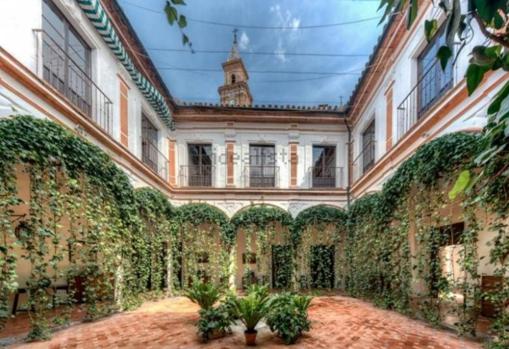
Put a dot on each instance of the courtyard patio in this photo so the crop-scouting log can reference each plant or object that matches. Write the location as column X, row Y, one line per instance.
column 337, row 322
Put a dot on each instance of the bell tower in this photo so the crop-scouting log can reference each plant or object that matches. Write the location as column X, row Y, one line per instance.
column 235, row 90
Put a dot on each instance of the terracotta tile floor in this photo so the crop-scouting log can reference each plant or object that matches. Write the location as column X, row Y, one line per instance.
column 338, row 322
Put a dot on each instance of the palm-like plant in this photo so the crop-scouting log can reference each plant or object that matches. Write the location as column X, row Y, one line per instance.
column 253, row 307
column 205, row 295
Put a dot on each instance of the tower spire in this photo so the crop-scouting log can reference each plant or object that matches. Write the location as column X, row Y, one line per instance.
column 234, row 53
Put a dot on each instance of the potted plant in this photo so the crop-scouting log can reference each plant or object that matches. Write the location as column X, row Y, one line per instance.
column 203, row 294
column 214, row 322
column 251, row 309
column 288, row 316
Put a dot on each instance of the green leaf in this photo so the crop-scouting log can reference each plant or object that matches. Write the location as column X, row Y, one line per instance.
column 460, row 185
column 178, row 2
column 413, row 9
column 185, row 39
column 474, row 76
column 430, row 28
column 488, row 10
column 171, row 13
column 444, row 54
column 182, row 21
column 499, row 98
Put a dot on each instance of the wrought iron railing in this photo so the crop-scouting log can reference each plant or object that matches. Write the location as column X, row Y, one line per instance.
column 326, row 177
column 428, row 91
column 65, row 75
column 197, row 175
column 365, row 160
column 261, row 176
column 154, row 158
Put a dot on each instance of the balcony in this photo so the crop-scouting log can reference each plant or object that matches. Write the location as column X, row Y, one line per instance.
column 64, row 74
column 196, row 175
column 154, row 158
column 261, row 176
column 326, row 177
column 430, row 88
column 365, row 160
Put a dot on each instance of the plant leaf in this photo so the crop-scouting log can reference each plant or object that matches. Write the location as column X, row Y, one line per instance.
column 413, row 9
column 474, row 75
column 460, row 185
column 444, row 54
column 499, row 98
column 171, row 13
column 178, row 2
column 182, row 21
column 430, row 28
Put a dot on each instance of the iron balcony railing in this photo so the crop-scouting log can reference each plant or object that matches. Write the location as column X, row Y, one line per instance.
column 326, row 177
column 154, row 158
column 261, row 176
column 428, row 91
column 65, row 75
column 365, row 160
column 197, row 175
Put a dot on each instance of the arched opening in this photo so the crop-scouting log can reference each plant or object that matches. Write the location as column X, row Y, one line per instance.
column 264, row 250
column 319, row 236
column 202, row 245
column 233, row 79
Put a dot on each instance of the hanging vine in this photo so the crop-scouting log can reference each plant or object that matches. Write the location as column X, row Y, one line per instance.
column 80, row 225
column 266, row 231
column 202, row 245
column 318, row 236
column 410, row 205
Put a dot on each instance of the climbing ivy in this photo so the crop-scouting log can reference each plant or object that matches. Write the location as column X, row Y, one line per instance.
column 318, row 231
column 80, row 224
column 410, row 207
column 202, row 245
column 266, row 230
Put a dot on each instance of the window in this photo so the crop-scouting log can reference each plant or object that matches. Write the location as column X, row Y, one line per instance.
column 451, row 234
column 233, row 78
column 249, row 258
column 368, row 147
column 149, row 140
column 200, row 165
column 324, row 166
column 262, row 166
column 433, row 81
column 66, row 58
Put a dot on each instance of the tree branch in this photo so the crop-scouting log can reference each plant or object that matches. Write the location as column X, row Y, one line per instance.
column 488, row 34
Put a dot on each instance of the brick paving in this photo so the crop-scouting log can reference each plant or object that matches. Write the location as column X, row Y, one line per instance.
column 337, row 322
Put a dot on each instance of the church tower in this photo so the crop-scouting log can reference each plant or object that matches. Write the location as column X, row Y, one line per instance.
column 235, row 91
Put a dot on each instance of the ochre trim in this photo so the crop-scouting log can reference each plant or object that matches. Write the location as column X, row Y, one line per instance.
column 124, row 112
column 294, row 164
column 230, row 175
column 172, row 162
column 388, row 118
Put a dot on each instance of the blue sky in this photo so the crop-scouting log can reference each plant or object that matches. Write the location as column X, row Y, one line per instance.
column 267, row 86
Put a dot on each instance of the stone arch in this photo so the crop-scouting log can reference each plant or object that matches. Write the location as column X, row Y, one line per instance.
column 203, row 241
column 264, row 249
column 319, row 233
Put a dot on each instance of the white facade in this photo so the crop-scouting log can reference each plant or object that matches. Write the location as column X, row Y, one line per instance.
column 21, row 37
column 402, row 77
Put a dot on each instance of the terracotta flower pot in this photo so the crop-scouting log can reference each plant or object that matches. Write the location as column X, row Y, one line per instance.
column 250, row 337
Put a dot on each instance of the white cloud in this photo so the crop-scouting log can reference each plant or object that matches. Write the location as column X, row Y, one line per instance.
column 286, row 37
column 244, row 41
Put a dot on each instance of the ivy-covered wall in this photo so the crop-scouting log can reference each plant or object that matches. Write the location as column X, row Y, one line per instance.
column 70, row 217
column 202, row 245
column 403, row 248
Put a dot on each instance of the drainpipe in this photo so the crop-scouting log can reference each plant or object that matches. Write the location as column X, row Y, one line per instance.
column 349, row 155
